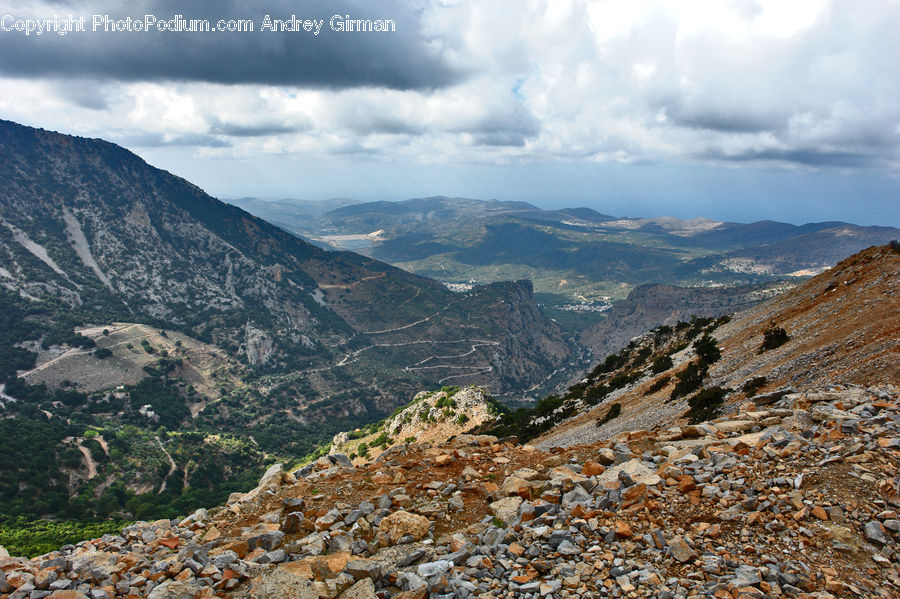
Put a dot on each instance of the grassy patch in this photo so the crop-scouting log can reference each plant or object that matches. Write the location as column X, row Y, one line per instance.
column 29, row 538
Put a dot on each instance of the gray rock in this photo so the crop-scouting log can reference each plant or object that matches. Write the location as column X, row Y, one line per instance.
column 293, row 504
column 224, row 559
column 364, row 568
column 746, row 576
column 576, row 496
column 409, row 581
column 363, row 589
column 429, row 569
column 175, row 589
column 339, row 459
column 292, row 523
column 876, row 533
column 568, row 548
column 268, row 541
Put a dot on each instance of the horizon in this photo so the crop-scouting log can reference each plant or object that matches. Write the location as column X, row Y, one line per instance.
column 752, row 111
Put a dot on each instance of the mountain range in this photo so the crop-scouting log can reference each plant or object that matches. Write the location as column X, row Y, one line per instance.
column 159, row 347
column 579, row 260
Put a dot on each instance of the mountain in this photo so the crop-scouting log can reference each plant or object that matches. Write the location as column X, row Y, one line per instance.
column 139, row 310
column 719, row 493
column 88, row 224
column 579, row 260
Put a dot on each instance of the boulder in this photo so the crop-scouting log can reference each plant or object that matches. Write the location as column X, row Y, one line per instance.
column 635, row 469
column 402, row 523
column 281, row 584
column 506, row 509
column 175, row 589
column 363, row 589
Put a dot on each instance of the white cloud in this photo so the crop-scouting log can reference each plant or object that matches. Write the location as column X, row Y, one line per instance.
column 807, row 82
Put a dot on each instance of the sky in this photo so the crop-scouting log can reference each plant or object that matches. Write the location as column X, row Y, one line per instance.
column 736, row 110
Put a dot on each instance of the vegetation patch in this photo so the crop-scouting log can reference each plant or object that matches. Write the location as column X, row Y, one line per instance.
column 706, row 404
column 752, row 386
column 31, row 538
column 689, row 380
column 661, row 364
column 773, row 337
column 613, row 412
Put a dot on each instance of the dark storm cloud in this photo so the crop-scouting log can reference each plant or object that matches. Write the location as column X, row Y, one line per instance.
column 404, row 59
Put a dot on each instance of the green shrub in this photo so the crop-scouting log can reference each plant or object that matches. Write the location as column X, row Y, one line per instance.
column 462, row 419
column 661, row 364
column 706, row 404
column 706, row 349
column 102, row 353
column 689, row 379
column 613, row 412
column 774, row 336
column 751, row 387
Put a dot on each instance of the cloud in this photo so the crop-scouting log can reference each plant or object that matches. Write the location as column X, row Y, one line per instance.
column 810, row 84
column 402, row 59
column 158, row 140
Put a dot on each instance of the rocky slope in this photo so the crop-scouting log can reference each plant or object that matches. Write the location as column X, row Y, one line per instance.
column 797, row 499
column 791, row 493
column 842, row 328
column 649, row 306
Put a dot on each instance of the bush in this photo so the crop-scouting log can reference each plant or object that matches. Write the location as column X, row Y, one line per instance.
column 706, row 404
column 706, row 349
column 462, row 419
column 661, row 364
column 774, row 336
column 751, row 387
column 613, row 412
column 689, row 379
column 102, row 353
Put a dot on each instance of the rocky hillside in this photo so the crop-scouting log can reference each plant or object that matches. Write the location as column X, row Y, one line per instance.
column 794, row 499
column 839, row 327
column 699, row 472
column 88, row 225
column 649, row 306
column 432, row 416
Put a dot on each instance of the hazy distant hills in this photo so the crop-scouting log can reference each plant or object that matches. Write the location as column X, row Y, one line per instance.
column 579, row 259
